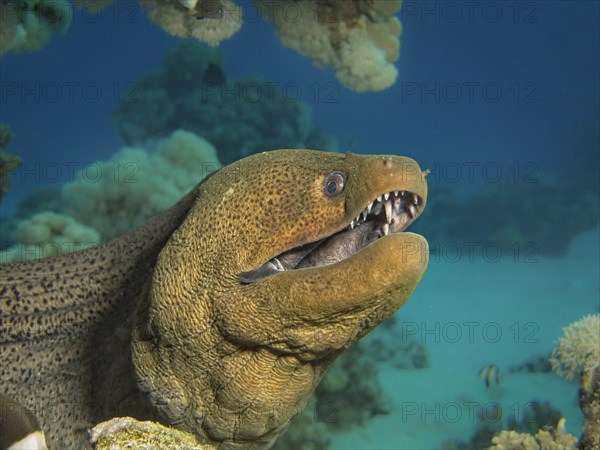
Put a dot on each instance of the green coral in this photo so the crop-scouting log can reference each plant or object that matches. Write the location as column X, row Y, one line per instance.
column 8, row 163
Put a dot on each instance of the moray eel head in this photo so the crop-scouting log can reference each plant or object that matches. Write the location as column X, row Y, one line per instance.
column 285, row 260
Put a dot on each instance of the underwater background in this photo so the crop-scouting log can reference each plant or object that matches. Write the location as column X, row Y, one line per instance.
column 113, row 120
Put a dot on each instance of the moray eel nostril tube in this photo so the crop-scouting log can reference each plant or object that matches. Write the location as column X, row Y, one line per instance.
column 220, row 316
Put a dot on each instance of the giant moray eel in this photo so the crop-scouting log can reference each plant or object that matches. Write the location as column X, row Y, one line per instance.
column 221, row 315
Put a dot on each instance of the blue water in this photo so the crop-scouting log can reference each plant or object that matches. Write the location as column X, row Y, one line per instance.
column 505, row 94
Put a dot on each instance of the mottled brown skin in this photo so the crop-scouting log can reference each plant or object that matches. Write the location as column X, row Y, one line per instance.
column 157, row 324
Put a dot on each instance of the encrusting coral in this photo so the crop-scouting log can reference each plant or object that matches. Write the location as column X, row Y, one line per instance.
column 8, row 163
column 210, row 21
column 116, row 196
column 359, row 39
column 28, row 25
column 577, row 355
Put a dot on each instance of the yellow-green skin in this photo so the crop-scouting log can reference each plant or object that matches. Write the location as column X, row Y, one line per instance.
column 165, row 330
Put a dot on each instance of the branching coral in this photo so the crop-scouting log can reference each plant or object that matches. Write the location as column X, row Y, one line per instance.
column 8, row 163
column 210, row 21
column 27, row 25
column 119, row 195
column 359, row 39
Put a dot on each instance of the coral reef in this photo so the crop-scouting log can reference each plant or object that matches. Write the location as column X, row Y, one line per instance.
column 534, row 364
column 307, row 431
column 544, row 217
column 118, row 195
column 577, row 352
column 126, row 432
column 49, row 234
column 358, row 39
column 8, row 163
column 239, row 117
column 209, row 21
column 28, row 25
column 350, row 393
column 107, row 199
column 39, row 200
column 555, row 439
column 538, row 418
column 528, row 214
column 489, row 423
column 577, row 355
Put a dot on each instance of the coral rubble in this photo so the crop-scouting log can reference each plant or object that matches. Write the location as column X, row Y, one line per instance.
column 359, row 39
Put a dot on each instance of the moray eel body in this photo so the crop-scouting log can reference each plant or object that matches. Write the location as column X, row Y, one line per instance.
column 221, row 315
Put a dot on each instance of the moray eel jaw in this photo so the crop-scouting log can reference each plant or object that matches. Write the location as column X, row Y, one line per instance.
column 388, row 213
column 268, row 279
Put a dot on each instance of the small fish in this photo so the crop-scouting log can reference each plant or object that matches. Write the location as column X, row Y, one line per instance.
column 20, row 429
column 213, row 76
column 490, row 374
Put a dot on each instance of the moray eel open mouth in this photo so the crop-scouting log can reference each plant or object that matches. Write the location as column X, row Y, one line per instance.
column 391, row 212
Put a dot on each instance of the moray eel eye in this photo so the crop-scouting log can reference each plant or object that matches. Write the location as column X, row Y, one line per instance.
column 333, row 184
